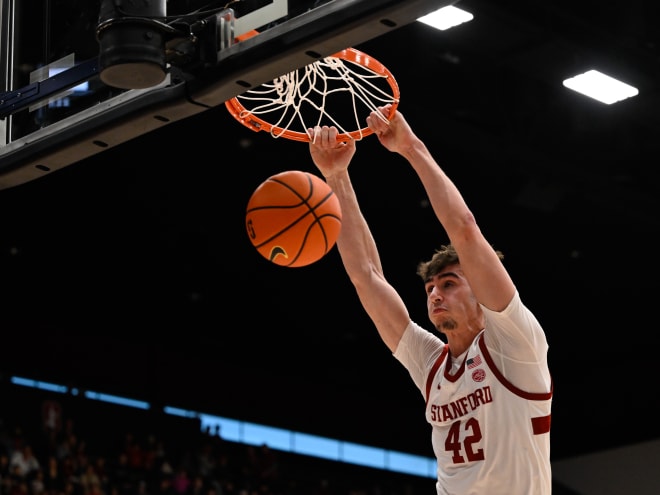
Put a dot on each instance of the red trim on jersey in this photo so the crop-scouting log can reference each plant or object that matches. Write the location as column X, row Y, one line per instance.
column 459, row 371
column 507, row 383
column 541, row 424
column 434, row 370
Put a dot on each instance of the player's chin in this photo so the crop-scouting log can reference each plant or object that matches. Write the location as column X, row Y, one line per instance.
column 437, row 319
column 443, row 322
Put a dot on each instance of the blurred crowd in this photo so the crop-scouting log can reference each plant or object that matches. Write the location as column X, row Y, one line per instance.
column 52, row 446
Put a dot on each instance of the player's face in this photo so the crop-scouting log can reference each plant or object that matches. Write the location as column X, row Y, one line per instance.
column 450, row 301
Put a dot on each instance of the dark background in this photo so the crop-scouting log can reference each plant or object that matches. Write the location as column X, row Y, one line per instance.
column 131, row 272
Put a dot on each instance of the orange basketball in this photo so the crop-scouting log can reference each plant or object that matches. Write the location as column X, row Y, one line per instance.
column 293, row 218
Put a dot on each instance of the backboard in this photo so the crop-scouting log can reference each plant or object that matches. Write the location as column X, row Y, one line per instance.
column 80, row 77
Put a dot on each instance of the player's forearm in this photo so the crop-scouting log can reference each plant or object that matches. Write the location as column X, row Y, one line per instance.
column 445, row 198
column 355, row 243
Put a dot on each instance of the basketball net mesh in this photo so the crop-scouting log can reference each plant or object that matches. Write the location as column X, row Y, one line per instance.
column 340, row 90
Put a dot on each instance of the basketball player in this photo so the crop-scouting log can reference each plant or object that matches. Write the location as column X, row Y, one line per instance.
column 486, row 384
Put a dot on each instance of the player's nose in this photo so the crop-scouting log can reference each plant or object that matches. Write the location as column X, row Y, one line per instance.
column 435, row 294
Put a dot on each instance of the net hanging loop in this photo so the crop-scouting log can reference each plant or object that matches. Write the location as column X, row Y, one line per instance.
column 340, row 90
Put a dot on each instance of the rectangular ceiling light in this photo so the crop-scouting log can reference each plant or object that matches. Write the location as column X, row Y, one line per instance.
column 600, row 87
column 446, row 17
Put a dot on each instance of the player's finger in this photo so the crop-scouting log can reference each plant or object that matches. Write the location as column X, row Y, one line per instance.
column 332, row 136
column 313, row 134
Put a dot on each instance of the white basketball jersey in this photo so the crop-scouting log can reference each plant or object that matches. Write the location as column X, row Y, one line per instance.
column 483, row 423
column 489, row 437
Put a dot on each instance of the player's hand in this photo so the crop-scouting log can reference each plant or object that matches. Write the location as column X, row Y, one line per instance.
column 329, row 155
column 392, row 131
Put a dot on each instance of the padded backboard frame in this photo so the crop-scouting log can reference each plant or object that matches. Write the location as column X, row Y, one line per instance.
column 122, row 115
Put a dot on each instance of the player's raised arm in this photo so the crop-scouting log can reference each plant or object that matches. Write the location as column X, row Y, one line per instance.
column 481, row 264
column 355, row 243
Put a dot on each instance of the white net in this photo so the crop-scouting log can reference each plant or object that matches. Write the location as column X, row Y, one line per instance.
column 339, row 90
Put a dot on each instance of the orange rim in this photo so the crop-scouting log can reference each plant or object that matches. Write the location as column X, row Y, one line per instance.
column 245, row 117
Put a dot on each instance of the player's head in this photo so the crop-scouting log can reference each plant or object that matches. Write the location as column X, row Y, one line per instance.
column 452, row 306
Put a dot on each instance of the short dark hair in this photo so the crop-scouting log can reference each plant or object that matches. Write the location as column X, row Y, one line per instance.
column 442, row 258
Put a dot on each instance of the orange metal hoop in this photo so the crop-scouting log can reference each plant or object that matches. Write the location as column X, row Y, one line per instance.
column 286, row 94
